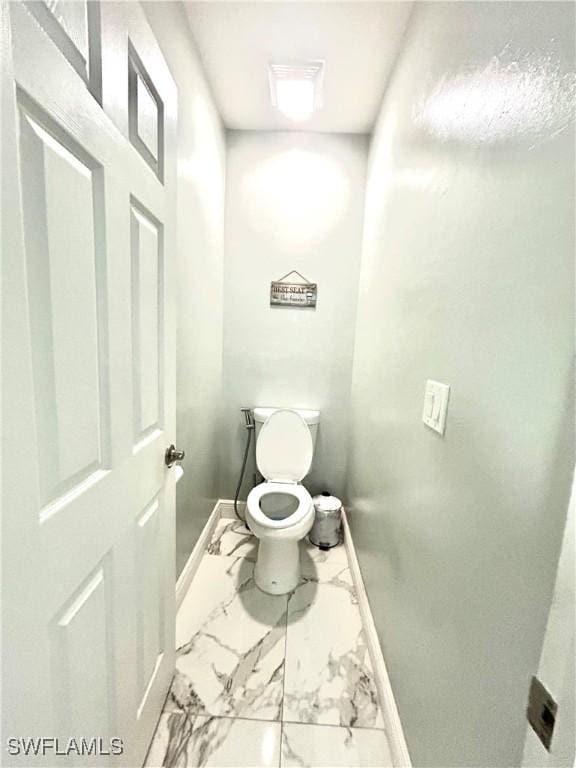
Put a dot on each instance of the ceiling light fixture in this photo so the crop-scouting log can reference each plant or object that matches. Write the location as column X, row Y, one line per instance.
column 296, row 89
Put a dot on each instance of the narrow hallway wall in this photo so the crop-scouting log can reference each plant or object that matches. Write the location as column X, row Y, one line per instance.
column 293, row 201
column 201, row 179
column 467, row 277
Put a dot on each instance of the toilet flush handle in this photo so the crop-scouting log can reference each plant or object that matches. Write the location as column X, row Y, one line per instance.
column 173, row 455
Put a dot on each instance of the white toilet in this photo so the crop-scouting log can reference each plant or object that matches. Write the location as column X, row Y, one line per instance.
column 280, row 511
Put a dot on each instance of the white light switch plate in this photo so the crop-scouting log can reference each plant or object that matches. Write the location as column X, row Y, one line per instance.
column 436, row 397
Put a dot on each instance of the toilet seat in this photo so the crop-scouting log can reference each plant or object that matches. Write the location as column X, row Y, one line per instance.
column 288, row 489
column 284, row 447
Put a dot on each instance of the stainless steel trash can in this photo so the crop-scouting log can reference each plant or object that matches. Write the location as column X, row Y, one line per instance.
column 325, row 532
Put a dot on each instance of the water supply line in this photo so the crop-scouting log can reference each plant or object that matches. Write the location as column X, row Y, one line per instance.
column 249, row 424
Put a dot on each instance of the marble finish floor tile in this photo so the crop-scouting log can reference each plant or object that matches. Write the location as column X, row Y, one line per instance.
column 328, row 675
column 321, row 746
column 309, row 551
column 182, row 741
column 232, row 537
column 247, row 660
column 230, row 644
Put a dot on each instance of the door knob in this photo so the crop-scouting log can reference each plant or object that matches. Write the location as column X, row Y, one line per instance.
column 173, row 455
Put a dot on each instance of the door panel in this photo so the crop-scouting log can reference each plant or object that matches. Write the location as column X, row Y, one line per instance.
column 150, row 598
column 74, row 26
column 147, row 321
column 81, row 658
column 63, row 212
column 145, row 113
column 88, row 379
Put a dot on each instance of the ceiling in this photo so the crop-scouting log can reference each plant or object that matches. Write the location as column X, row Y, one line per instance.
column 358, row 42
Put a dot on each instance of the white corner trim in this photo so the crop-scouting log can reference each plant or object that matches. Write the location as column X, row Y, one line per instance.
column 189, row 570
column 394, row 731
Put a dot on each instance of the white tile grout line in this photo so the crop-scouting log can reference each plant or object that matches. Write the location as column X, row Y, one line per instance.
column 248, row 719
column 224, row 509
column 393, row 725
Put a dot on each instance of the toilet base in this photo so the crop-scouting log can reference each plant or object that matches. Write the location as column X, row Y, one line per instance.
column 277, row 569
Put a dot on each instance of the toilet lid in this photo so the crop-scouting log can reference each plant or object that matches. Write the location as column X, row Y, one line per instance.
column 284, row 447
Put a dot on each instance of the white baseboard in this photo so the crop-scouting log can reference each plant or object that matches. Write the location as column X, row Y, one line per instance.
column 394, row 731
column 189, row 570
column 227, row 508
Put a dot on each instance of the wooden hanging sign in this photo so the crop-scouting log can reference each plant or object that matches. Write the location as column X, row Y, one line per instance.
column 286, row 294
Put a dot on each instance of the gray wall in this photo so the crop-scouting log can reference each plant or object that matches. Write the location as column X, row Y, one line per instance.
column 201, row 178
column 467, row 277
column 293, row 201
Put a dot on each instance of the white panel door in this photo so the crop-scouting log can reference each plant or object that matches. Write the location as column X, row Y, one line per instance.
column 88, row 214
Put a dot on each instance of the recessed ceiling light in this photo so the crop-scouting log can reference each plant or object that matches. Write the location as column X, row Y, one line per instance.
column 296, row 89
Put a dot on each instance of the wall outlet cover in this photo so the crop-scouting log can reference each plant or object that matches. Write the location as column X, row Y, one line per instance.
column 435, row 410
column 541, row 712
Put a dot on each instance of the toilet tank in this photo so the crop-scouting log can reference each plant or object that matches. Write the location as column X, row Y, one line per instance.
column 312, row 418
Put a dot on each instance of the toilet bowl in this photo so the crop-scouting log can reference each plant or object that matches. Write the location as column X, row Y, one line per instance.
column 280, row 511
